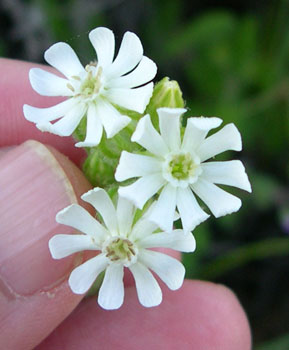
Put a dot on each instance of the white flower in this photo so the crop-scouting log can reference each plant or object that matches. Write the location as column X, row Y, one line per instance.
column 176, row 167
column 94, row 90
column 121, row 243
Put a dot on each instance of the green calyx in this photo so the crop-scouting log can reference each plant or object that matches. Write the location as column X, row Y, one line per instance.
column 101, row 162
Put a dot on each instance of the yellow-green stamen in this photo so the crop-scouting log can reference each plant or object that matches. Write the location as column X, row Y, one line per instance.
column 91, row 84
column 120, row 249
column 182, row 166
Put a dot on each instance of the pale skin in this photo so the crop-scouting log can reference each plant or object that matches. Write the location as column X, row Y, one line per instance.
column 41, row 311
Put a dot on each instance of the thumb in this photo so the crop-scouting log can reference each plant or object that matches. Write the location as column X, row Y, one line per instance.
column 36, row 182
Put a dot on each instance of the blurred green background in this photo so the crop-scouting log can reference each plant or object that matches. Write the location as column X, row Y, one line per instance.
column 231, row 59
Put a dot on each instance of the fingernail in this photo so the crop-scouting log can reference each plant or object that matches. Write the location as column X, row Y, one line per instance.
column 33, row 188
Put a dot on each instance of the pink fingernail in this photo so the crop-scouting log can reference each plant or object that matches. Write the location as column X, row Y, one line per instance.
column 33, row 188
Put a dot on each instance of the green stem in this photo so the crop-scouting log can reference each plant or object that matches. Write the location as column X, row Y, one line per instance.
column 245, row 254
column 280, row 343
column 263, row 102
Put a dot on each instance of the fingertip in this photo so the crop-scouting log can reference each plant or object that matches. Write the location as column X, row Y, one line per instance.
column 218, row 307
column 201, row 315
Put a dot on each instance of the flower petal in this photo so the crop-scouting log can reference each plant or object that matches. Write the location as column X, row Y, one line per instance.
column 94, row 128
column 163, row 211
column 133, row 99
column 48, row 84
column 176, row 239
column 103, row 204
column 135, row 165
column 129, row 55
column 170, row 270
column 111, row 119
column 148, row 290
column 77, row 217
column 66, row 125
column 103, row 42
column 43, row 115
column 230, row 173
column 143, row 189
column 142, row 228
column 125, row 213
column 196, row 131
column 61, row 246
column 190, row 211
column 147, row 136
column 144, row 72
column 170, row 126
column 219, row 201
column 111, row 293
column 82, row 278
column 226, row 139
column 62, row 57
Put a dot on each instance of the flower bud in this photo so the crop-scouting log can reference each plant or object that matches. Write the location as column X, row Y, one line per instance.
column 167, row 93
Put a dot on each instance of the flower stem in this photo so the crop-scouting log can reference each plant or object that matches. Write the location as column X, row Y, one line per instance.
column 240, row 256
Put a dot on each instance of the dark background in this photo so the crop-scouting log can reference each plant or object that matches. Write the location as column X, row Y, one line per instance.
column 231, row 59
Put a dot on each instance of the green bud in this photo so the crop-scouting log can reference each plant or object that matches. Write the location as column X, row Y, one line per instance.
column 167, row 93
column 102, row 160
column 100, row 164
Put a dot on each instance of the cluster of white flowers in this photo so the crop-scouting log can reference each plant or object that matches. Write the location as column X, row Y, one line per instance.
column 169, row 170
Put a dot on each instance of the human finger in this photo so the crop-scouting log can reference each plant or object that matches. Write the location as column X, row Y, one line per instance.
column 201, row 315
column 35, row 183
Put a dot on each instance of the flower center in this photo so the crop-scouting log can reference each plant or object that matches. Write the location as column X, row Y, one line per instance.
column 121, row 249
column 92, row 83
column 182, row 166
